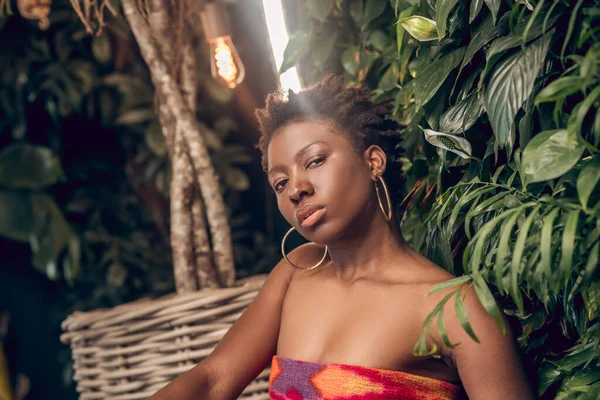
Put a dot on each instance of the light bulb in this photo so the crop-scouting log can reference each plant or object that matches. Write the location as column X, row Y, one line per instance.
column 225, row 64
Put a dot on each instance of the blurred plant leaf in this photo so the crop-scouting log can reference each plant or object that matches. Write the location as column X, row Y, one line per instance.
column 27, row 166
column 54, row 235
column 17, row 217
column 237, row 179
column 319, row 9
column 297, row 47
column 133, row 117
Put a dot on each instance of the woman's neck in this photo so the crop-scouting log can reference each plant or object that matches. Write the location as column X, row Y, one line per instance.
column 368, row 253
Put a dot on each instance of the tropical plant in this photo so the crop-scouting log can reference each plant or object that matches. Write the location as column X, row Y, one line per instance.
column 500, row 99
column 83, row 165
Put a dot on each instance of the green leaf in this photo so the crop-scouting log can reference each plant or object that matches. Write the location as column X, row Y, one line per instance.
column 568, row 244
column 488, row 302
column 472, row 256
column 575, row 124
column 494, row 6
column 321, row 51
column 445, row 200
column 504, row 248
column 400, row 29
column 421, row 346
column 26, row 166
column 491, row 204
column 373, row 9
column 571, row 26
column 460, row 117
column 596, row 129
column 454, row 144
column 484, row 33
column 465, row 199
column 73, row 261
column 53, row 238
column 589, row 66
column 549, row 155
column 510, row 85
column 155, row 140
column 548, row 375
column 442, row 330
column 350, row 59
column 17, row 217
column 546, row 247
column 237, row 179
column 592, row 263
column 319, row 9
column 427, row 83
column 296, row 49
column 458, row 281
column 136, row 116
column 379, row 40
column 560, row 89
column 587, row 180
column 356, row 11
column 101, row 48
column 591, row 300
column 500, row 45
column 463, row 318
column 421, row 28
column 474, row 9
column 389, row 80
column 443, row 8
column 532, row 19
column 517, row 264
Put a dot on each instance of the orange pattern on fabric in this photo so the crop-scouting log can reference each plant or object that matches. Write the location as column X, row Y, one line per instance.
column 305, row 380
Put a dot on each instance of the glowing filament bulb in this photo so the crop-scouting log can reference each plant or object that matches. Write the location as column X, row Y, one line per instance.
column 226, row 66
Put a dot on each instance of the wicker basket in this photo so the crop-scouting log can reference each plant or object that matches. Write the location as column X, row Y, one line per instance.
column 131, row 351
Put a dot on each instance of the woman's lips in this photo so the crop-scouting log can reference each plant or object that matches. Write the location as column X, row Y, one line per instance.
column 313, row 218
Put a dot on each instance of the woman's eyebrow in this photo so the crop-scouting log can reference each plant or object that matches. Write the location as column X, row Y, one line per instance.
column 297, row 157
column 305, row 149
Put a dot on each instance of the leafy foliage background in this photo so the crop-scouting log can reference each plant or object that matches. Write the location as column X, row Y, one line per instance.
column 83, row 166
column 500, row 98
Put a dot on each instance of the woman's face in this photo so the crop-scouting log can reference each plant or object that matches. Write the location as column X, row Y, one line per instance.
column 323, row 186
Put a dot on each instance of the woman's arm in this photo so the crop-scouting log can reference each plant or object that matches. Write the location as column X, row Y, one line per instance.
column 490, row 369
column 244, row 351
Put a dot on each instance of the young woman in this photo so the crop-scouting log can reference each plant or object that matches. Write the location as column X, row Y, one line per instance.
column 338, row 318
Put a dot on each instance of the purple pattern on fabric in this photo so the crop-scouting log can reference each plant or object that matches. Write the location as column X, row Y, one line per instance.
column 296, row 375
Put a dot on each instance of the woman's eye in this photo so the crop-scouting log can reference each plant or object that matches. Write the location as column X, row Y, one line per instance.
column 316, row 162
column 280, row 185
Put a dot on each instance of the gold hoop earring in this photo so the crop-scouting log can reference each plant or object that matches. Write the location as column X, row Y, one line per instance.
column 386, row 214
column 291, row 263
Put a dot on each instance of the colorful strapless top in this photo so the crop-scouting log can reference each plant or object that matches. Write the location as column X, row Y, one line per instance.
column 307, row 380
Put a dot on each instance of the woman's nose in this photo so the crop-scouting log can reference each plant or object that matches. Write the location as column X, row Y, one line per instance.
column 300, row 188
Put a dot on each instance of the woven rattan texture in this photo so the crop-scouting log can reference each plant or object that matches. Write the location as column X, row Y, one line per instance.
column 131, row 351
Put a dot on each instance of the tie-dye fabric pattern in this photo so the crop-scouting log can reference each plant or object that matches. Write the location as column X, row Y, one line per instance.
column 305, row 380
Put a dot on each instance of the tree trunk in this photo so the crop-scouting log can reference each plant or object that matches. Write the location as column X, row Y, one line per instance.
column 204, row 177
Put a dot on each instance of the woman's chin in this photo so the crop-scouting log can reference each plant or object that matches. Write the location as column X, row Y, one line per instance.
column 322, row 234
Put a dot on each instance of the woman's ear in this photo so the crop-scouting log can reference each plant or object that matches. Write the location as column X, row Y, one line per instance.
column 376, row 160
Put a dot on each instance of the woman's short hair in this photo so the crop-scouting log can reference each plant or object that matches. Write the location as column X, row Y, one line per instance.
column 352, row 113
